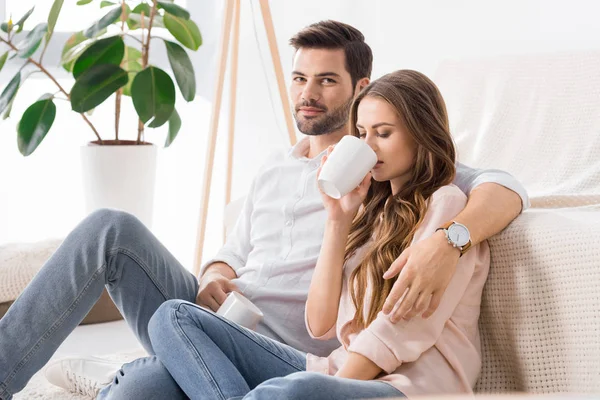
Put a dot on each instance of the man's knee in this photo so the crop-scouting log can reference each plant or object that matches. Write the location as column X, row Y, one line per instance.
column 112, row 217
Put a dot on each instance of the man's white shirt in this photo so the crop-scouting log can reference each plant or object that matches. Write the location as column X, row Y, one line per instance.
column 276, row 241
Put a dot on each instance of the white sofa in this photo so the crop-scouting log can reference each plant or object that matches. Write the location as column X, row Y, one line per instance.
column 538, row 117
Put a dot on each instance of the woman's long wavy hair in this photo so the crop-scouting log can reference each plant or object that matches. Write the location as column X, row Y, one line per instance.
column 390, row 220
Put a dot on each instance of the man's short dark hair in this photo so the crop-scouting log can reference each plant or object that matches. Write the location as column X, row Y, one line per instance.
column 333, row 35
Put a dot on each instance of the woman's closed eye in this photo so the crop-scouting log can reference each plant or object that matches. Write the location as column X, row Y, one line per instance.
column 383, row 135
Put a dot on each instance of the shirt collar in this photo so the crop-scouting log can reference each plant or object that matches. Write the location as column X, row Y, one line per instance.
column 300, row 152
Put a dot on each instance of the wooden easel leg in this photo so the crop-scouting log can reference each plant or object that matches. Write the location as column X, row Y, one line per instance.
column 232, row 103
column 287, row 112
column 212, row 139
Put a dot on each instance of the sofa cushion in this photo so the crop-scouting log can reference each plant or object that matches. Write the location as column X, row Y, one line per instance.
column 535, row 116
column 539, row 319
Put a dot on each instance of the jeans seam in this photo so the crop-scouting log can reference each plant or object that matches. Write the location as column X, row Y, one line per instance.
column 139, row 261
column 243, row 332
column 196, row 353
column 57, row 324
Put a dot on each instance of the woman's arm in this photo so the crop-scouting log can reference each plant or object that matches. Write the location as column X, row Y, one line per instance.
column 326, row 284
column 358, row 367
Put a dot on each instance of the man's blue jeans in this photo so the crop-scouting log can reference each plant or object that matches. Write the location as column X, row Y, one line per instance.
column 108, row 248
column 212, row 358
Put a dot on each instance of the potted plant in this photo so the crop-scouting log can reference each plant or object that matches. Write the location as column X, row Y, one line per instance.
column 109, row 57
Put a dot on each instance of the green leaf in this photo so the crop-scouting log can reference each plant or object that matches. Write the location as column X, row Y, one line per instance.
column 132, row 64
column 182, row 69
column 142, row 7
column 53, row 17
column 32, row 41
column 3, row 60
column 73, row 48
column 174, row 9
column 105, row 21
column 4, row 27
column 185, row 31
column 132, row 54
column 135, row 21
column 107, row 4
column 95, row 85
column 153, row 95
column 34, row 125
column 10, row 91
column 174, row 126
column 83, row 2
column 24, row 18
column 6, row 114
column 103, row 51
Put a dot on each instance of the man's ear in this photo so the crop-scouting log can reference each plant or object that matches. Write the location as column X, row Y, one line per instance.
column 361, row 84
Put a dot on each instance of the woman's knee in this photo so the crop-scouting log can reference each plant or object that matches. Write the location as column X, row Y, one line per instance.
column 144, row 378
column 163, row 317
column 299, row 385
column 169, row 315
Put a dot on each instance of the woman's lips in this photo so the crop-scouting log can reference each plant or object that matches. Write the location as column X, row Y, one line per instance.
column 379, row 164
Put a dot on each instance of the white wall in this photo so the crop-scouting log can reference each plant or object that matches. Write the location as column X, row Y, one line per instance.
column 402, row 33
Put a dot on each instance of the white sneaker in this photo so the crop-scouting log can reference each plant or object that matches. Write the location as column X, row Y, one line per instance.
column 86, row 376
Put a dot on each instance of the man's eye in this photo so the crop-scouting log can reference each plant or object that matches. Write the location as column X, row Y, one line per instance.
column 299, row 79
column 328, row 80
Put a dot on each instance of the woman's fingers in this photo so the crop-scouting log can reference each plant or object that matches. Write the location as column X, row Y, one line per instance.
column 419, row 307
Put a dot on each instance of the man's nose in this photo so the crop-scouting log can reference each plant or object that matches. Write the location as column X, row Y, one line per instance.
column 311, row 92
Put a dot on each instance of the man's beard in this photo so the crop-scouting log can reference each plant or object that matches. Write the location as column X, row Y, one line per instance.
column 325, row 123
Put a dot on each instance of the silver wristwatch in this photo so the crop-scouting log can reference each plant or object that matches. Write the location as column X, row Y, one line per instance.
column 458, row 236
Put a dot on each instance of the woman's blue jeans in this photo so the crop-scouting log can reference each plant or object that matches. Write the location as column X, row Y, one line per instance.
column 212, row 358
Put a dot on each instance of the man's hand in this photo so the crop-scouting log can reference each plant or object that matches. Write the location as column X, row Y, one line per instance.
column 425, row 269
column 213, row 290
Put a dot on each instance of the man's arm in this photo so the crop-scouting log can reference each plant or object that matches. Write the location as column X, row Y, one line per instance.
column 215, row 284
column 426, row 268
column 220, row 268
column 490, row 208
column 216, row 275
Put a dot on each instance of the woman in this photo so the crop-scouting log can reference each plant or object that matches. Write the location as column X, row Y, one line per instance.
column 405, row 198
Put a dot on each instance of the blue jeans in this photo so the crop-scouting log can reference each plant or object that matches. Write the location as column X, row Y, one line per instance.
column 212, row 358
column 109, row 249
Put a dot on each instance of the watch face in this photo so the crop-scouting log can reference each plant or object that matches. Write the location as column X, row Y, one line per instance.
column 459, row 234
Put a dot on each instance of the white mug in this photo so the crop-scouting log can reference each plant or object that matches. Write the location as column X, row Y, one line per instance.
column 240, row 310
column 346, row 167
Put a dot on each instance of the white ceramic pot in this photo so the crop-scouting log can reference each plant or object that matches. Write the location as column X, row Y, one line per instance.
column 120, row 176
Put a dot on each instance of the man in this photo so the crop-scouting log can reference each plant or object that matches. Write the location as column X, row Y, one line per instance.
column 269, row 256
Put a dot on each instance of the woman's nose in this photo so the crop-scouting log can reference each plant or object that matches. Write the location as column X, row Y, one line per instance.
column 371, row 142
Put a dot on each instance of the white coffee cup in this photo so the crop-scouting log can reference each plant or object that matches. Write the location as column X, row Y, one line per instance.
column 240, row 310
column 346, row 167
